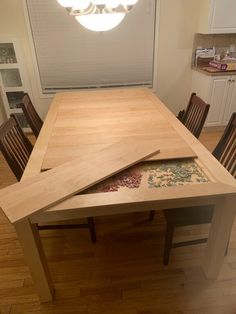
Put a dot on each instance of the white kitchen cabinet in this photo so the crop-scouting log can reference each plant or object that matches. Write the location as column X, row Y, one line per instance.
column 217, row 16
column 13, row 79
column 219, row 92
column 231, row 100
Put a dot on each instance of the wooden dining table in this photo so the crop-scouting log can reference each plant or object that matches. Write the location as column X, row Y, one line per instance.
column 84, row 123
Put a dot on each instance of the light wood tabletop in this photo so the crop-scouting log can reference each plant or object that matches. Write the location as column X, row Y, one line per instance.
column 82, row 124
column 88, row 121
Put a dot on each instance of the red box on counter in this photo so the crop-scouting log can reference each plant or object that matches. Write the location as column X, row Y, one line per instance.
column 219, row 65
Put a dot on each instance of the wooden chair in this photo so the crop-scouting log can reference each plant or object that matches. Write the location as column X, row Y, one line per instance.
column 195, row 115
column 16, row 149
column 31, row 114
column 180, row 115
column 15, row 146
column 193, row 118
column 225, row 152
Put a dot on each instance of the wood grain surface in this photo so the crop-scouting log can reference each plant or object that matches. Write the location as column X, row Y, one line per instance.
column 122, row 273
column 106, row 117
column 90, row 121
column 172, row 136
column 45, row 189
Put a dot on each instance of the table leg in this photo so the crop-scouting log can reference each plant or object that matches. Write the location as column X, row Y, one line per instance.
column 34, row 254
column 219, row 235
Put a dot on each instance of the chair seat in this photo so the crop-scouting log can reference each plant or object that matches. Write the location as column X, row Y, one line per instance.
column 189, row 215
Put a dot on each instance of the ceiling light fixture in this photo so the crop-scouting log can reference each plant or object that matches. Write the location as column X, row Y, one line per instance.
column 98, row 15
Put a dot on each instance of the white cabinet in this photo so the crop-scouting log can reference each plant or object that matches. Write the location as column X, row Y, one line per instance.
column 219, row 92
column 217, row 16
column 231, row 100
column 217, row 100
column 13, row 79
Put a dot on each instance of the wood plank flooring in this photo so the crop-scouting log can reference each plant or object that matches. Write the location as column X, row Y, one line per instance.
column 122, row 273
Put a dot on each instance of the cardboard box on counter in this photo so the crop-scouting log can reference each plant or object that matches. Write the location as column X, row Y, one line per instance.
column 223, row 65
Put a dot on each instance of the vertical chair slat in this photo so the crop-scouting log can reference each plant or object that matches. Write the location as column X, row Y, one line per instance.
column 31, row 114
column 15, row 146
column 195, row 115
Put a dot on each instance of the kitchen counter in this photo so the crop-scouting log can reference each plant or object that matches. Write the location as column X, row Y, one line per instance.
column 217, row 73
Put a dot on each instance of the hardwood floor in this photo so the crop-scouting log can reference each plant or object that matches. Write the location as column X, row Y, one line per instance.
column 121, row 273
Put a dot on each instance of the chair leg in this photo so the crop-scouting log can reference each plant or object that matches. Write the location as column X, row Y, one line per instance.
column 151, row 215
column 92, row 229
column 227, row 248
column 168, row 243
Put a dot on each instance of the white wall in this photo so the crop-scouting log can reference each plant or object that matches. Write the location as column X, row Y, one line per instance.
column 177, row 26
column 178, row 23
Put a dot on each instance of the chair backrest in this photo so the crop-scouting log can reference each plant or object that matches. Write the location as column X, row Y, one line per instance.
column 15, row 146
column 31, row 114
column 225, row 150
column 195, row 115
column 181, row 115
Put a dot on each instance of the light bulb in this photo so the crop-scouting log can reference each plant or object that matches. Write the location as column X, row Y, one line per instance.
column 66, row 3
column 108, row 3
column 80, row 4
column 112, row 3
column 97, row 2
column 100, row 22
column 128, row 2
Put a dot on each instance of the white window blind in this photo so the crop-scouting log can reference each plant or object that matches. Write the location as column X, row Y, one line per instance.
column 69, row 56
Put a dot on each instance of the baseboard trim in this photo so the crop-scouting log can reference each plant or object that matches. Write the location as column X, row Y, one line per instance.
column 218, row 128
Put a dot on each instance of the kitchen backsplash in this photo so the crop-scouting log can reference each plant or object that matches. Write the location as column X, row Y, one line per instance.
column 212, row 40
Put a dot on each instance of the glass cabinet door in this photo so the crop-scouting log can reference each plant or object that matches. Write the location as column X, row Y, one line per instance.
column 7, row 53
column 14, row 98
column 11, row 78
